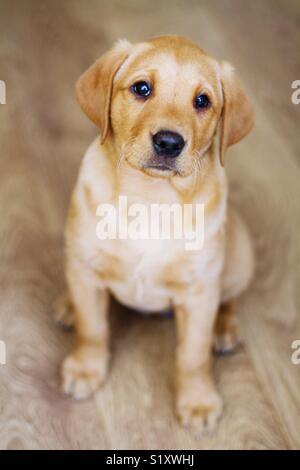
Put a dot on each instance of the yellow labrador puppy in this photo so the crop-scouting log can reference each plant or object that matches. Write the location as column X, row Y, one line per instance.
column 166, row 113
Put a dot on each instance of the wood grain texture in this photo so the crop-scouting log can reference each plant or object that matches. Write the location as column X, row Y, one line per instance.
column 44, row 46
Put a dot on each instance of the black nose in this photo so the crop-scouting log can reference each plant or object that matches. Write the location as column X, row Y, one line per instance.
column 167, row 143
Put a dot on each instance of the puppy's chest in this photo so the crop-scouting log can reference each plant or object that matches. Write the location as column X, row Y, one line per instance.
column 147, row 274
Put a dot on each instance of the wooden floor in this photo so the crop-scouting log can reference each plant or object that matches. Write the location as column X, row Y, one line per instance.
column 44, row 46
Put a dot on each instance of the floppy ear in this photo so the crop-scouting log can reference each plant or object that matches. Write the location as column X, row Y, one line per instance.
column 94, row 87
column 237, row 115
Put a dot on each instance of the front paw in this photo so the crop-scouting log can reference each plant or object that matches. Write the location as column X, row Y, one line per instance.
column 84, row 371
column 199, row 406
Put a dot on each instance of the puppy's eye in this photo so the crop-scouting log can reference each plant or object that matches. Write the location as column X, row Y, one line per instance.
column 201, row 101
column 142, row 89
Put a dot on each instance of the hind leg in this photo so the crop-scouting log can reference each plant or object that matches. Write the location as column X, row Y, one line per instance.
column 227, row 338
column 64, row 311
column 236, row 276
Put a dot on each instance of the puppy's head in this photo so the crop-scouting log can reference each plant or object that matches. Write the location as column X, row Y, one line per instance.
column 162, row 102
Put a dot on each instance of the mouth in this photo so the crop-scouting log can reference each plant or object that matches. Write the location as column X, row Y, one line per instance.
column 160, row 169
